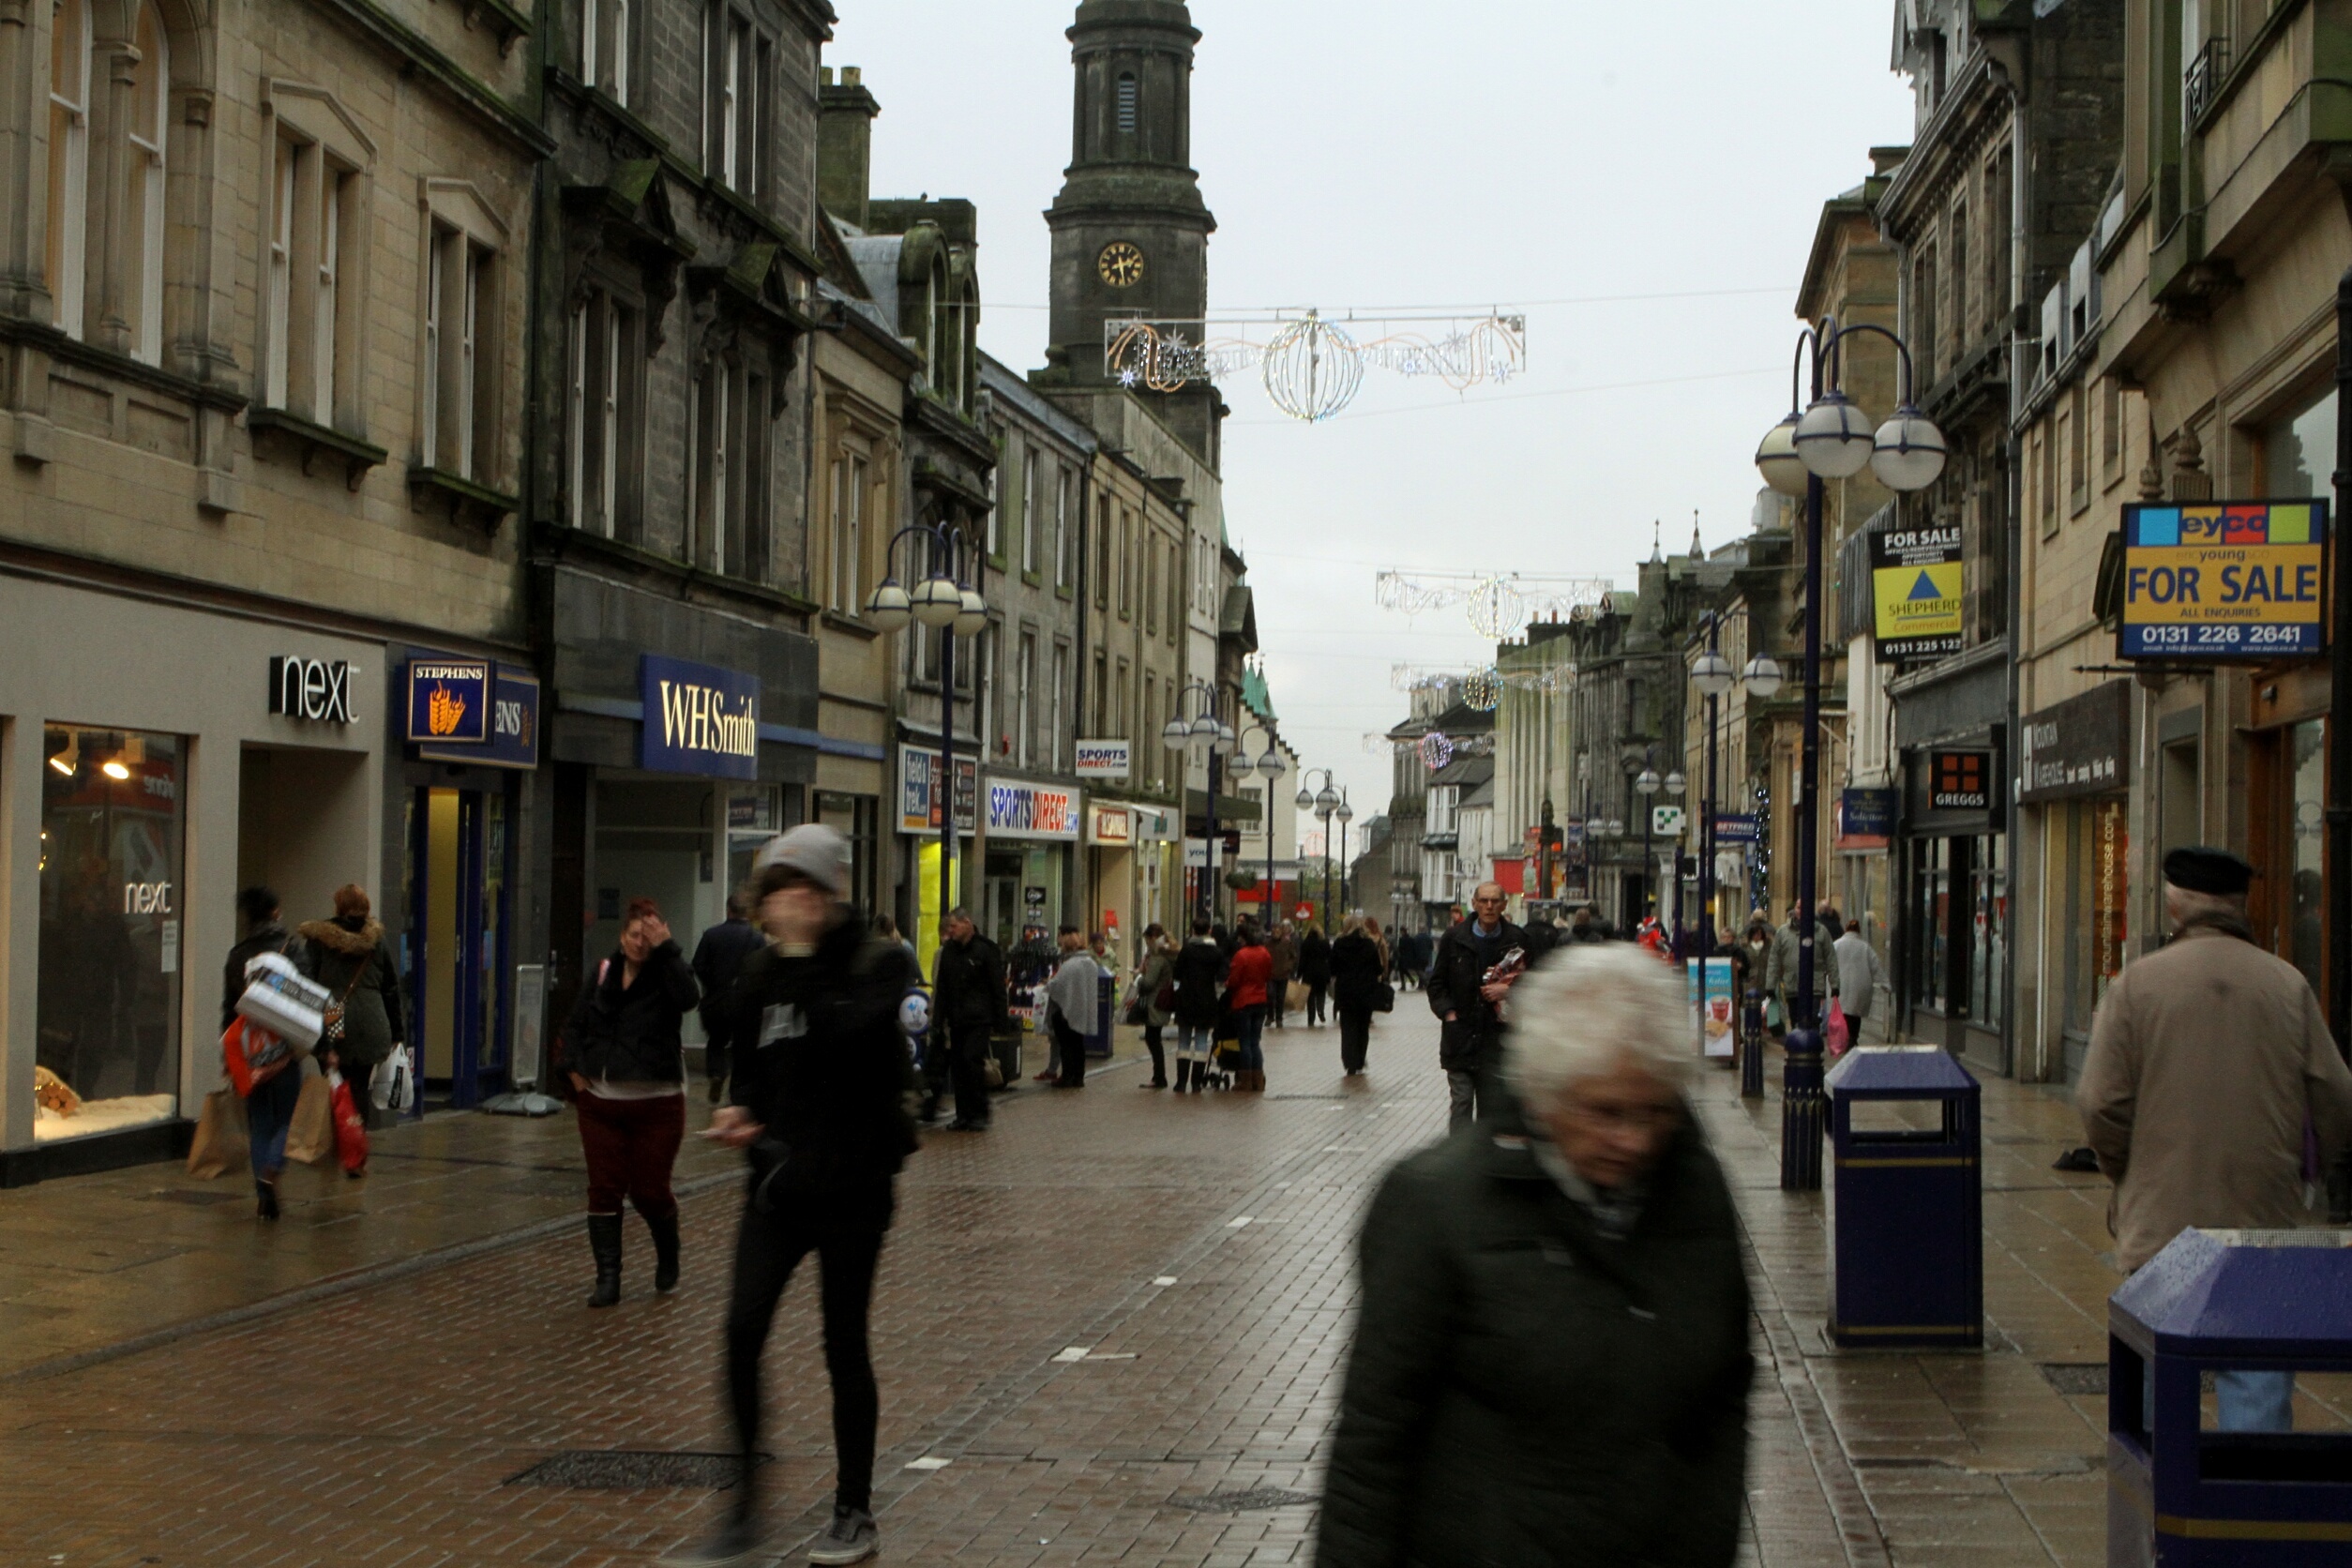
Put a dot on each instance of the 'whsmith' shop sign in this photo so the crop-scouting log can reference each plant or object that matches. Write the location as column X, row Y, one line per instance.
column 699, row 719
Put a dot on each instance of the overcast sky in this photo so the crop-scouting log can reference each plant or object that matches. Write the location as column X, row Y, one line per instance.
column 1542, row 157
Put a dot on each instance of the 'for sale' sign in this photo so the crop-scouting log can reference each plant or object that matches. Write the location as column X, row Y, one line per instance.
column 2228, row 580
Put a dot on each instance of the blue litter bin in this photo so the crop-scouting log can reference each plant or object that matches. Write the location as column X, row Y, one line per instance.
column 1907, row 1263
column 2250, row 1308
column 1098, row 1038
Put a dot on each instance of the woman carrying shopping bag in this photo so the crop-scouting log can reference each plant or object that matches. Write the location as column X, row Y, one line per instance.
column 1154, row 985
column 627, row 1066
column 349, row 959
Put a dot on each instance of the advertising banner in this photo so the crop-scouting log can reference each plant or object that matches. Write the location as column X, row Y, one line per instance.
column 1865, row 817
column 919, row 797
column 1023, row 810
column 1712, row 1004
column 699, row 719
column 448, row 700
column 1915, row 580
column 2080, row 746
column 2228, row 580
column 514, row 726
column 1738, row 827
column 1960, row 780
column 1104, row 759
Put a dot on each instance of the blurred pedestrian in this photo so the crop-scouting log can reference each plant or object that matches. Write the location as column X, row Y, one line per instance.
column 820, row 1097
column 1858, row 972
column 269, row 1108
column 1282, row 951
column 1200, row 974
column 1473, row 1424
column 1358, row 973
column 888, row 930
column 623, row 1051
column 1247, row 981
column 1469, row 1045
column 1315, row 970
column 1781, row 967
column 968, row 1008
column 264, row 932
column 1152, row 976
column 1073, row 1005
column 349, row 957
column 2210, row 1066
column 717, row 959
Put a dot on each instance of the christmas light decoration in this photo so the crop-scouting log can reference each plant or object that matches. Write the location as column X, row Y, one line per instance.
column 1311, row 365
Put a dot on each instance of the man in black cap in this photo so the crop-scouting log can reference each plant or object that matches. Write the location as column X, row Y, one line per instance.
column 2205, row 1057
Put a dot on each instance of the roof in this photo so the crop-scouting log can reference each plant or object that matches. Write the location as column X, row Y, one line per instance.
column 1256, row 697
column 1008, row 387
column 1469, row 772
column 1239, row 617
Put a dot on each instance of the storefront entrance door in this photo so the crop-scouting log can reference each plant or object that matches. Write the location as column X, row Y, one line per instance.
column 457, row 901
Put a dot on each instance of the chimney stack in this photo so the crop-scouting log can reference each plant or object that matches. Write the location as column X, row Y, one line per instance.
column 845, row 144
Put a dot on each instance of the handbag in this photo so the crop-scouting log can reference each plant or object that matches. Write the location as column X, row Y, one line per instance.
column 1294, row 997
column 1774, row 1019
column 331, row 1019
column 1383, row 998
column 1164, row 999
column 392, row 1084
column 311, row 1134
column 351, row 1130
column 252, row 1055
column 219, row 1144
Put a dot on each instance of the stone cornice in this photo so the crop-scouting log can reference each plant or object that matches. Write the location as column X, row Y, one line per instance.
column 439, row 72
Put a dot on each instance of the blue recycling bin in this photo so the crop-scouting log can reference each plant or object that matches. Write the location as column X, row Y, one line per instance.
column 1098, row 1038
column 2226, row 1304
column 1908, row 1259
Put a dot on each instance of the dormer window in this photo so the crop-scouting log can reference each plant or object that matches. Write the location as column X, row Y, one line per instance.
column 1126, row 101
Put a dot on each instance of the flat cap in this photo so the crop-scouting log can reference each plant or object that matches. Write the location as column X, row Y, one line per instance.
column 2202, row 868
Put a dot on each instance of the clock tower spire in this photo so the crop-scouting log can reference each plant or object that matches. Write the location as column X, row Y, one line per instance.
column 1130, row 231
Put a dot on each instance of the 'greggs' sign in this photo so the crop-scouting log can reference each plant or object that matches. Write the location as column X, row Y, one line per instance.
column 699, row 719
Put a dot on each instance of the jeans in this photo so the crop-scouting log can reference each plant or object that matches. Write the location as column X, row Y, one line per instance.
column 768, row 1247
column 1196, row 1042
column 1249, row 1025
column 1315, row 995
column 268, row 1117
column 1355, row 1037
column 631, row 1146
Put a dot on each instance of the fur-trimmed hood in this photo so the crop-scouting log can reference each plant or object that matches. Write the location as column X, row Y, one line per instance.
column 327, row 933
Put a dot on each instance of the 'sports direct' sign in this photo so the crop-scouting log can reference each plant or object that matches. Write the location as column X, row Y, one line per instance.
column 2227, row 580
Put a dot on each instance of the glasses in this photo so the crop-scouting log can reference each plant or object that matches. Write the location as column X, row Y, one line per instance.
column 1626, row 1118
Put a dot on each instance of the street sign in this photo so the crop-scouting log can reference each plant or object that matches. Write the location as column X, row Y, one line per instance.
column 2228, row 580
column 1865, row 817
column 1665, row 821
column 1915, row 578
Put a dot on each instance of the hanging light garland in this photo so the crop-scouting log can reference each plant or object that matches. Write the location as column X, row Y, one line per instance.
column 1436, row 750
column 1313, row 367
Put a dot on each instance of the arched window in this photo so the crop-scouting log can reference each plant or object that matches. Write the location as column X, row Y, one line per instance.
column 1127, row 111
column 151, row 84
column 69, row 159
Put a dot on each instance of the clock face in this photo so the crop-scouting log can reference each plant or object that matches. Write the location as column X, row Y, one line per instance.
column 1121, row 264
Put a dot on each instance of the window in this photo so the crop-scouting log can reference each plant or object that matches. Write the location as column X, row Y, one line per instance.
column 1064, row 537
column 711, row 505
column 1026, row 705
column 460, row 410
column 1102, row 551
column 2298, row 452
column 995, row 535
column 1029, row 513
column 2111, row 425
column 847, row 590
column 602, row 422
column 1058, row 744
column 274, row 360
column 734, row 93
column 2078, row 450
column 1102, row 694
column 1962, row 317
column 69, row 159
column 150, row 85
column 1175, row 590
column 1996, row 201
column 1120, row 713
column 1127, row 563
column 604, row 47
column 1151, row 587
column 1127, row 96
column 1923, row 333
column 315, row 228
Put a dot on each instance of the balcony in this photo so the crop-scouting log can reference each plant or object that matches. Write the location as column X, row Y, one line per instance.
column 2202, row 80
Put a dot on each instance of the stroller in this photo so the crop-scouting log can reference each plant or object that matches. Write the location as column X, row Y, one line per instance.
column 1225, row 1053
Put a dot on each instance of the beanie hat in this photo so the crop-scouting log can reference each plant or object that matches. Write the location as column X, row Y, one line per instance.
column 812, row 850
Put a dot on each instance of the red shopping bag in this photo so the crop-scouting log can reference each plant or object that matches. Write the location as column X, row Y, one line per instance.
column 1834, row 1032
column 350, row 1133
column 252, row 1055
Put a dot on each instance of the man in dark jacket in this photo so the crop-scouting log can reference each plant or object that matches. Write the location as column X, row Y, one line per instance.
column 819, row 1102
column 1200, row 971
column 1470, row 1047
column 1315, row 971
column 264, row 932
column 717, row 959
column 967, row 1012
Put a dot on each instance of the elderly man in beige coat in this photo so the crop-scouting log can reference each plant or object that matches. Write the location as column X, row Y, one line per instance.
column 2205, row 1058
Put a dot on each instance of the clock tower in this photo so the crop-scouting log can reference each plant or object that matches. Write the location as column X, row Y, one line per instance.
column 1130, row 232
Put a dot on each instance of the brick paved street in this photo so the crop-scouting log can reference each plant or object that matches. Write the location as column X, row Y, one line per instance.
column 1195, row 1251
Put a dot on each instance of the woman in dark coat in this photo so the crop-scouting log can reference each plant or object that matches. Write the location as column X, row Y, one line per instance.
column 628, row 1069
column 1552, row 1361
column 349, row 957
column 1201, row 968
column 1358, row 971
column 1315, row 970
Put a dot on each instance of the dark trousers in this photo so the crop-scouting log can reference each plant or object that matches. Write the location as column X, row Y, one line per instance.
column 1355, row 1037
column 631, row 1146
column 1278, row 994
column 1153, row 1042
column 1315, row 996
column 1073, row 1047
column 965, row 1060
column 768, row 1247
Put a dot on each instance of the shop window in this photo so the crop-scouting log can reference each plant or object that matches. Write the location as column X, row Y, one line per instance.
column 1931, row 920
column 2097, row 848
column 604, row 47
column 2301, row 847
column 2298, row 452
column 603, row 418
column 108, row 1013
column 1988, row 930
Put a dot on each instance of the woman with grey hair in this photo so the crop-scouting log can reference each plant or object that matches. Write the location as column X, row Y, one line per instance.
column 1551, row 1360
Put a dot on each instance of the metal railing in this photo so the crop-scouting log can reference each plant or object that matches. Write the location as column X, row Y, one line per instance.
column 2202, row 79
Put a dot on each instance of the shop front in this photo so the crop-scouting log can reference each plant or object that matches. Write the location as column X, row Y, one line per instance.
column 1127, row 846
column 1033, row 827
column 157, row 757
column 922, row 802
column 2286, row 777
column 2074, row 782
column 1954, row 925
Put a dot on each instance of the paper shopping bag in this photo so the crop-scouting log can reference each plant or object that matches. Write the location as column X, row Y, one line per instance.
column 219, row 1145
column 311, row 1137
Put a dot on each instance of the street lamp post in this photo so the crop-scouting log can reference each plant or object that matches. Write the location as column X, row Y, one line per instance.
column 1346, row 813
column 1831, row 438
column 1204, row 730
column 1270, row 766
column 1676, row 786
column 1323, row 802
column 947, row 600
column 1646, row 784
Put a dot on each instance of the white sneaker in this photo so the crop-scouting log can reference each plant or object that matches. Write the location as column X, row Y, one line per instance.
column 852, row 1538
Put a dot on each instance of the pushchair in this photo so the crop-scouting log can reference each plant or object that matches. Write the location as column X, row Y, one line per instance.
column 1225, row 1053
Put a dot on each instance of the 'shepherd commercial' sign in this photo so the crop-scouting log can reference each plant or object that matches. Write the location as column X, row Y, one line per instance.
column 449, row 702
column 1915, row 578
column 699, row 719
column 1023, row 810
column 2080, row 746
column 2230, row 580
column 1105, row 758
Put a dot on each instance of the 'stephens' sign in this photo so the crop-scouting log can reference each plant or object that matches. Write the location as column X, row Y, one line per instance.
column 448, row 700
column 699, row 719
column 1915, row 580
column 1104, row 759
column 315, row 689
column 2232, row 579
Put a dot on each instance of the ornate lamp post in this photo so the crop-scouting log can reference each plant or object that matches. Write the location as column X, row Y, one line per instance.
column 1830, row 439
column 1271, row 765
column 947, row 600
column 1346, row 813
column 1203, row 733
column 1323, row 802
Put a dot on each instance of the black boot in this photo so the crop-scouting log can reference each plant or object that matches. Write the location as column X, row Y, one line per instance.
column 604, row 1240
column 1183, row 1074
column 665, row 1229
column 265, row 1198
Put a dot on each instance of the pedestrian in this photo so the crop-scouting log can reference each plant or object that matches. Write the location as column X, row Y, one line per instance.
column 623, row 1052
column 1247, row 981
column 1157, row 969
column 1073, row 1000
column 2210, row 1065
column 269, row 1108
column 1858, row 972
column 1582, row 925
column 1315, row 970
column 1357, row 972
column 968, row 1008
column 1467, row 1399
column 717, row 956
column 1032, row 964
column 1781, row 965
column 1282, row 952
column 888, row 930
column 819, row 1108
column 1469, row 1045
column 1200, row 974
column 1404, row 961
column 366, row 1024
column 1543, row 935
